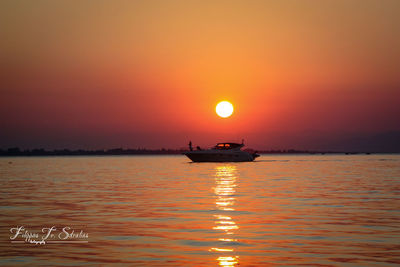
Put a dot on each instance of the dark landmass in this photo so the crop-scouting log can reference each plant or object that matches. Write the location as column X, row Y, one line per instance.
column 306, row 143
column 80, row 152
column 142, row 151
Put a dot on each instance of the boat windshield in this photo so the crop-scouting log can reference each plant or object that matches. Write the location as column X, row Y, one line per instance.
column 227, row 146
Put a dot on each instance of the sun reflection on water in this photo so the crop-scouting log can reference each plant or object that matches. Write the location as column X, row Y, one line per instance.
column 228, row 261
column 225, row 189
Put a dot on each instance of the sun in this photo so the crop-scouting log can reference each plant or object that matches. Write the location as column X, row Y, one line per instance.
column 224, row 109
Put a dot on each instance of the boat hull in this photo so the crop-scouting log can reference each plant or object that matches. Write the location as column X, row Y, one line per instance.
column 200, row 156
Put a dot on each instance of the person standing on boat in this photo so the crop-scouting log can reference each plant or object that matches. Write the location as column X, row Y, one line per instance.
column 190, row 146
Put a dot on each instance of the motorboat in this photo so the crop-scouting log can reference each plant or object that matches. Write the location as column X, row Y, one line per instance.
column 222, row 152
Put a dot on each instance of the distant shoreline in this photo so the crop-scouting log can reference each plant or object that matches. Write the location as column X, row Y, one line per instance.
column 16, row 152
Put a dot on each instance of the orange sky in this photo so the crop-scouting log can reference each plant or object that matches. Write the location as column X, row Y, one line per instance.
column 100, row 74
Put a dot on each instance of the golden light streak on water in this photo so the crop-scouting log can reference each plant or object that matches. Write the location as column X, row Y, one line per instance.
column 221, row 249
column 221, row 217
column 226, row 222
column 225, row 184
column 225, row 227
column 228, row 261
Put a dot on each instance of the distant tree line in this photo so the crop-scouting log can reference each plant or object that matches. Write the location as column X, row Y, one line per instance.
column 15, row 151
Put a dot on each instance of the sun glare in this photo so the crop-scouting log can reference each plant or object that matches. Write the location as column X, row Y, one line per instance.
column 224, row 109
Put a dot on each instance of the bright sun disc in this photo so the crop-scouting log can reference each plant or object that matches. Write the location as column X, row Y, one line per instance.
column 224, row 109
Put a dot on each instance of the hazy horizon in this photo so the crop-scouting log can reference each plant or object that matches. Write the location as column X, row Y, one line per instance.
column 384, row 142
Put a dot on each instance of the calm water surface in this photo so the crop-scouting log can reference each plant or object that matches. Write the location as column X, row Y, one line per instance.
column 327, row 210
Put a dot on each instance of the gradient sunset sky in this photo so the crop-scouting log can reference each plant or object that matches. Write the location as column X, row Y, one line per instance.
column 103, row 74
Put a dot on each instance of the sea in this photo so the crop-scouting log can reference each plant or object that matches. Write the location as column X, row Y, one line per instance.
column 280, row 210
